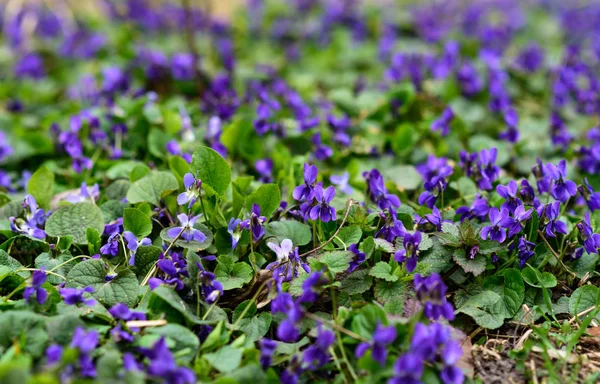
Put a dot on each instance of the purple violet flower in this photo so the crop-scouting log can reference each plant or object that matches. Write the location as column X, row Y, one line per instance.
column 73, row 296
column 382, row 337
column 431, row 292
column 187, row 231
column 38, row 279
column 411, row 244
column 322, row 210
column 499, row 220
column 255, row 223
column 192, row 193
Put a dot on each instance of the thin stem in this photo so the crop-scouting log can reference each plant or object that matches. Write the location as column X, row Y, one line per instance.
column 68, row 261
column 556, row 255
column 210, row 309
column 349, row 204
column 252, row 300
column 203, row 210
column 48, row 272
column 153, row 270
column 335, row 326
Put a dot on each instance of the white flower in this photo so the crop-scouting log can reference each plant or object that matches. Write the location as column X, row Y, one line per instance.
column 282, row 251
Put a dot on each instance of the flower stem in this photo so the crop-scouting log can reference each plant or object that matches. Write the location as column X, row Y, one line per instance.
column 556, row 254
column 349, row 204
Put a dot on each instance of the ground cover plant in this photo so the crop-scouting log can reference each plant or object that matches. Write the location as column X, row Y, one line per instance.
column 301, row 191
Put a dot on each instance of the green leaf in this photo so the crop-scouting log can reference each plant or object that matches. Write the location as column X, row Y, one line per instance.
column 61, row 328
column 138, row 172
column 157, row 142
column 24, row 325
column 403, row 176
column 74, row 220
column 251, row 311
column 256, row 327
column 41, row 186
column 357, row 282
column 466, row 187
column 476, row 266
column 123, row 288
column 426, row 242
column 584, row 298
column 482, row 308
column 212, row 169
column 336, row 261
column 585, row 264
column 94, row 241
column 12, row 263
column 348, row 236
column 384, row 245
column 179, row 167
column 509, row 285
column 296, row 231
column 437, row 259
column 145, row 257
column 267, row 196
column 450, row 229
column 385, row 291
column 47, row 261
column 231, row 274
column 152, row 113
column 152, row 188
column 226, row 359
column 13, row 208
column 487, row 247
column 185, row 340
column 192, row 245
column 383, row 270
column 367, row 246
column 112, row 210
column 535, row 278
column 137, row 222
column 164, row 300
column 395, row 305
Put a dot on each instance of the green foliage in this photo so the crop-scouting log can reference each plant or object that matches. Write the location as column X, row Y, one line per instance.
column 122, row 288
column 41, row 186
column 212, row 169
column 152, row 187
column 137, row 222
column 74, row 220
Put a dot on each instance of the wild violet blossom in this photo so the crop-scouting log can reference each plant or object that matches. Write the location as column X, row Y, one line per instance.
column 5, row 149
column 435, row 173
column 34, row 218
column 172, row 270
column 192, row 193
column 377, row 191
column 233, row 228
column 429, row 344
column 342, row 183
column 211, row 288
column 73, row 296
column 442, row 124
column 133, row 244
column 186, row 230
column 382, row 337
column 306, row 192
column 548, row 215
column 255, row 223
column 431, row 292
column 288, row 262
column 499, row 221
column 322, row 210
column 409, row 253
column 38, row 278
